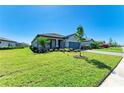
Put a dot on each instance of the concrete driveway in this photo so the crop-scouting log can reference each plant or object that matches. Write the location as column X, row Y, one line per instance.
column 116, row 78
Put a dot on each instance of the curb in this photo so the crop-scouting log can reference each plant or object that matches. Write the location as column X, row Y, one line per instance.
column 109, row 73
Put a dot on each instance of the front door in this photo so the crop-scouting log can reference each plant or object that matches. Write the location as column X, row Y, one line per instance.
column 61, row 43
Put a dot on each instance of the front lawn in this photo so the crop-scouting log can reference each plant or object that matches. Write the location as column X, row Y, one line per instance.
column 21, row 67
column 111, row 49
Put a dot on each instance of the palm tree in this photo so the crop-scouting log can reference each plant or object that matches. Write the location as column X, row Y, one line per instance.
column 42, row 41
column 79, row 35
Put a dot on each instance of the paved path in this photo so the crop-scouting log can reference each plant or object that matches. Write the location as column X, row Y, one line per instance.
column 116, row 78
column 102, row 52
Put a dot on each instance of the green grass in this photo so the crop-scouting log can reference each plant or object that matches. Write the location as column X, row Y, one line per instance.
column 111, row 49
column 21, row 67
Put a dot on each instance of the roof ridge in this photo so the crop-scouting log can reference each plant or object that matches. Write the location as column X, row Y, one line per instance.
column 52, row 34
column 6, row 39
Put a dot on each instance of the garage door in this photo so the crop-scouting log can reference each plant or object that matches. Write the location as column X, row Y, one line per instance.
column 74, row 45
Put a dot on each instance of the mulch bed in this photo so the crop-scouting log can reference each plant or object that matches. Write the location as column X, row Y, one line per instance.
column 80, row 57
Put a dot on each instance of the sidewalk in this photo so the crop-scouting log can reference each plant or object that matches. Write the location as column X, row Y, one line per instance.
column 116, row 78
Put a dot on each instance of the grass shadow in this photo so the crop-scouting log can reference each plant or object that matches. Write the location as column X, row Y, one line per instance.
column 98, row 64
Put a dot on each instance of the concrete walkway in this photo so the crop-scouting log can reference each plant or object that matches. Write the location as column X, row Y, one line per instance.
column 116, row 78
column 102, row 52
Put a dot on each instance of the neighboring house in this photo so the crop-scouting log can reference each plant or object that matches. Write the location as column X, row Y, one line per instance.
column 61, row 41
column 4, row 42
column 87, row 42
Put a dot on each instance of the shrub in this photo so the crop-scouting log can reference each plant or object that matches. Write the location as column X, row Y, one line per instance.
column 104, row 46
column 71, row 49
column 85, row 47
column 38, row 50
column 62, row 50
column 77, row 50
column 34, row 49
column 22, row 45
column 9, row 47
column 51, row 50
column 95, row 45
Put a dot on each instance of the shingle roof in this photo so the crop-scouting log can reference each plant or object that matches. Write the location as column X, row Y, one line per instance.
column 61, row 36
column 88, row 39
column 55, row 35
column 6, row 39
column 52, row 35
column 69, row 35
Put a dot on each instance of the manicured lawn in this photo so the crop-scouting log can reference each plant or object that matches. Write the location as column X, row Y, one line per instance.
column 111, row 49
column 21, row 67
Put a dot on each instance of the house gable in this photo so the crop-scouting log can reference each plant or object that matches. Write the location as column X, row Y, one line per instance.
column 71, row 38
column 87, row 42
column 71, row 41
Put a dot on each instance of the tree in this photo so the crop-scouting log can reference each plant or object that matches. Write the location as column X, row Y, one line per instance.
column 110, row 41
column 79, row 35
column 24, row 44
column 115, row 44
column 42, row 41
column 95, row 45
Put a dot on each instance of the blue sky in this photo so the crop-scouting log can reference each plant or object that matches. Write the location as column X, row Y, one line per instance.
column 23, row 23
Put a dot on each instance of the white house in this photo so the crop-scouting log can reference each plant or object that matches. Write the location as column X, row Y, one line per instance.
column 61, row 41
column 4, row 42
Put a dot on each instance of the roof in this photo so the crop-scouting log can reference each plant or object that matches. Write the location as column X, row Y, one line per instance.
column 88, row 39
column 55, row 35
column 6, row 39
column 52, row 35
column 69, row 35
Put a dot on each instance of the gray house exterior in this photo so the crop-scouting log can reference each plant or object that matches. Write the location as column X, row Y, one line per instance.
column 4, row 42
column 61, row 41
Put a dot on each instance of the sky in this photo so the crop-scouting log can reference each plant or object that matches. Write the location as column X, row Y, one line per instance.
column 23, row 23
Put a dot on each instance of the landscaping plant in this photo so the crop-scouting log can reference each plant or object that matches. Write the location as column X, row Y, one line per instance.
column 79, row 35
column 113, row 43
column 95, row 45
column 42, row 41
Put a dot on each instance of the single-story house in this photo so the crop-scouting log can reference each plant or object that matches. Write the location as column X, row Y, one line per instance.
column 61, row 41
column 87, row 42
column 4, row 42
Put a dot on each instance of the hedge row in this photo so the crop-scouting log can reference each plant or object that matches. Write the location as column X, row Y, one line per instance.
column 10, row 47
